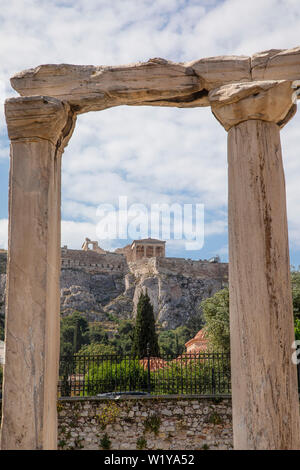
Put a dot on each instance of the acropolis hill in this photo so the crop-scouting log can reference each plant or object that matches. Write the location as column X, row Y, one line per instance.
column 98, row 283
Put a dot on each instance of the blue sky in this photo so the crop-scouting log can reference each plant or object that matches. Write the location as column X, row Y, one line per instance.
column 150, row 155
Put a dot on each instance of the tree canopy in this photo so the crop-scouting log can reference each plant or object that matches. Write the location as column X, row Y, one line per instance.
column 216, row 316
column 295, row 275
column 144, row 334
column 74, row 333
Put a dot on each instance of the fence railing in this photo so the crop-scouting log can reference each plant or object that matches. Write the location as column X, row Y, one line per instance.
column 91, row 375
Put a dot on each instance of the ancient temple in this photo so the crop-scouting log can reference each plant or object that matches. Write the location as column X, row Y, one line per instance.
column 144, row 248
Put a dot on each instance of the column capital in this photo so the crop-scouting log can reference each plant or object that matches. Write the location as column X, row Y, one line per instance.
column 268, row 100
column 40, row 117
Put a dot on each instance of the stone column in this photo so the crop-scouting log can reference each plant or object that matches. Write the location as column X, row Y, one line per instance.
column 39, row 128
column 264, row 382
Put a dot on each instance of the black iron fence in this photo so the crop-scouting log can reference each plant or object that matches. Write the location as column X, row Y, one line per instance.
column 90, row 375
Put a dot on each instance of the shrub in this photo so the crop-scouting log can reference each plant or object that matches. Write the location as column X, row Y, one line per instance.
column 189, row 375
column 152, row 423
column 105, row 442
column 118, row 376
column 141, row 443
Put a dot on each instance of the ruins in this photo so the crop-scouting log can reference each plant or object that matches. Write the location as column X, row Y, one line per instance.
column 144, row 248
column 100, row 283
column 95, row 246
column 252, row 98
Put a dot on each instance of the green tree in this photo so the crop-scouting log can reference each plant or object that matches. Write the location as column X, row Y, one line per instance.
column 295, row 276
column 172, row 342
column 144, row 331
column 96, row 349
column 2, row 326
column 216, row 316
column 122, row 340
column 108, row 376
column 297, row 329
column 167, row 342
column 184, row 333
column 74, row 333
column 97, row 334
column 194, row 324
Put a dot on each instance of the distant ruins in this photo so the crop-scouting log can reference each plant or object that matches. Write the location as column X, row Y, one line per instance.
column 98, row 282
column 96, row 247
column 138, row 249
column 145, row 248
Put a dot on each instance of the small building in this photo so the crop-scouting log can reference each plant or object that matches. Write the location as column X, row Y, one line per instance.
column 197, row 344
column 144, row 248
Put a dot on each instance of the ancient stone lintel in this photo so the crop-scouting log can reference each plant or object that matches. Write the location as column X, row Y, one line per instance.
column 158, row 82
column 271, row 101
column 217, row 71
column 92, row 88
column 276, row 64
column 40, row 117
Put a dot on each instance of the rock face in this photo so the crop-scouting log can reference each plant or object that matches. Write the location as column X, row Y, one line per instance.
column 176, row 286
column 104, row 284
column 90, row 281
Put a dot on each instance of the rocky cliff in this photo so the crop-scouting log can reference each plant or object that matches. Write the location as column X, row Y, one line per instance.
column 101, row 285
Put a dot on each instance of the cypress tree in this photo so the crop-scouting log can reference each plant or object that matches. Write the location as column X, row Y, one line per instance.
column 144, row 331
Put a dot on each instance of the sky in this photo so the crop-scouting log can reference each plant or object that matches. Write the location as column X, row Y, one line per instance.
column 148, row 155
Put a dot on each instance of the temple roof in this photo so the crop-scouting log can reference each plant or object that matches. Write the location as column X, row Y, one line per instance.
column 149, row 240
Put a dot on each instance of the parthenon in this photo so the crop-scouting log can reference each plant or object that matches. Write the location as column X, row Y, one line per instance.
column 252, row 98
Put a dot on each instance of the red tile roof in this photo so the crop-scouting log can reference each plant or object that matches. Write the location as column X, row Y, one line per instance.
column 200, row 341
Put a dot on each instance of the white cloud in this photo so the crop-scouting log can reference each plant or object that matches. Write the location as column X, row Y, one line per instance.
column 149, row 154
column 73, row 233
column 4, row 152
column 3, row 233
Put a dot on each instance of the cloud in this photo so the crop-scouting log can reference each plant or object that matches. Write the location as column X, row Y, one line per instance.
column 3, row 233
column 151, row 155
column 74, row 233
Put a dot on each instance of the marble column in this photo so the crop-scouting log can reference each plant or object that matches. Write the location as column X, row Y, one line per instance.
column 39, row 128
column 264, row 381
